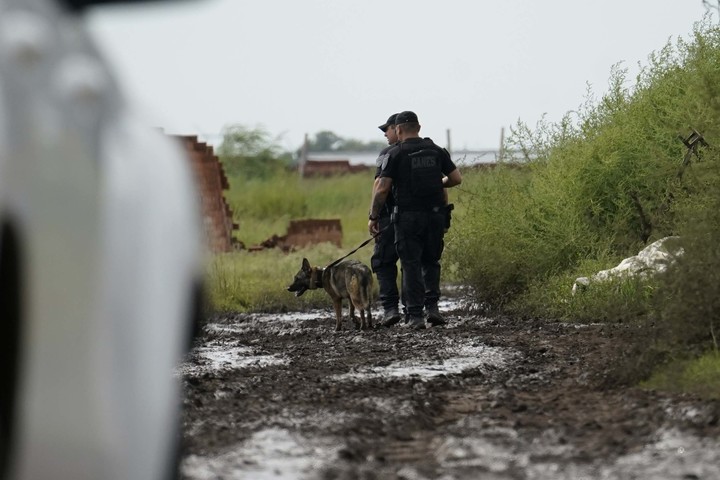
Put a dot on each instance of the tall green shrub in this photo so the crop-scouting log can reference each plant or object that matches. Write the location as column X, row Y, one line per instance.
column 689, row 299
column 601, row 183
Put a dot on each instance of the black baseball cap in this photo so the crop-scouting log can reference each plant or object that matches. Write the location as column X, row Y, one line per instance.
column 406, row 117
column 390, row 121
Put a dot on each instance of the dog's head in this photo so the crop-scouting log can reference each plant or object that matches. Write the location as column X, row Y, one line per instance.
column 302, row 280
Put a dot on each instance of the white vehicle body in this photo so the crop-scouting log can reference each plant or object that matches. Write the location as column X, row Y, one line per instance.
column 101, row 262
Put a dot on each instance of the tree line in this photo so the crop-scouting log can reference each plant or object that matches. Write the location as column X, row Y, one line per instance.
column 253, row 152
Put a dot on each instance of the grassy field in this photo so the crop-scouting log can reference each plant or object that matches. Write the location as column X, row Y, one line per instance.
column 257, row 281
column 264, row 207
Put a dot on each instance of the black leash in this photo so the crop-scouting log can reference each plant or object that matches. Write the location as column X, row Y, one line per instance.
column 360, row 246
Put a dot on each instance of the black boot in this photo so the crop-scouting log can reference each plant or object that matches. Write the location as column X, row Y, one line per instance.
column 391, row 317
column 433, row 316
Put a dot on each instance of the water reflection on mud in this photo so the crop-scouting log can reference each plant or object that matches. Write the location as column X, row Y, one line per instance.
column 518, row 402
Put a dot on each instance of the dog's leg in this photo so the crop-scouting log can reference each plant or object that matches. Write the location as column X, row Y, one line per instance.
column 369, row 318
column 337, row 303
column 363, row 323
column 352, row 315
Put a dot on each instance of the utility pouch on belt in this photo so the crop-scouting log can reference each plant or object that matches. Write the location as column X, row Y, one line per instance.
column 395, row 215
column 448, row 215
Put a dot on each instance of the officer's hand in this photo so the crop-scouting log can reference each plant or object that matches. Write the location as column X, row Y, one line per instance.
column 373, row 227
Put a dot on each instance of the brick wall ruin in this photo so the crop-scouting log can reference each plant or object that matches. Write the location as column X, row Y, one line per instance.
column 217, row 215
column 301, row 233
column 211, row 181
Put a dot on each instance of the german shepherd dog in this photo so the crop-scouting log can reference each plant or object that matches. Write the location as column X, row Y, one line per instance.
column 350, row 279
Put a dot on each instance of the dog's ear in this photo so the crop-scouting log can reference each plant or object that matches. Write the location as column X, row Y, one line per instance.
column 306, row 264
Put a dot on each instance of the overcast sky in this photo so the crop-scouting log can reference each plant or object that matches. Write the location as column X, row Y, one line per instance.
column 297, row 67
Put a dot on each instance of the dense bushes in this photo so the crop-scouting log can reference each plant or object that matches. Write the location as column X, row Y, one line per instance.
column 601, row 183
column 688, row 305
column 597, row 187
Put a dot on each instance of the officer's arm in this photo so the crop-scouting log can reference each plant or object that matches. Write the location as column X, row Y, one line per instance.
column 381, row 189
column 453, row 178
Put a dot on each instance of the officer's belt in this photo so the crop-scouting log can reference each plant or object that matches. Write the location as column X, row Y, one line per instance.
column 422, row 209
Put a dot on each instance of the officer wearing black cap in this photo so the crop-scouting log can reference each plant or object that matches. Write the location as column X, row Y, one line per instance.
column 416, row 171
column 384, row 258
column 389, row 125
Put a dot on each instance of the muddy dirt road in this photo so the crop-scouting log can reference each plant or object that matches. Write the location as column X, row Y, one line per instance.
column 286, row 397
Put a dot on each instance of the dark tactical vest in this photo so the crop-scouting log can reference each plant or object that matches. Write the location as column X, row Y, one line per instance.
column 419, row 185
column 380, row 164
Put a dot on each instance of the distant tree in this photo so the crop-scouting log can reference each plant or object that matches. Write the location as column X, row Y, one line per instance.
column 353, row 145
column 327, row 141
column 251, row 152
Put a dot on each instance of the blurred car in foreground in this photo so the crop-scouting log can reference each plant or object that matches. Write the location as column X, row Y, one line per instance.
column 100, row 261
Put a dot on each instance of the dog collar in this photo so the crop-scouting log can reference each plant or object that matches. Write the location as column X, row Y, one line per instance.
column 316, row 278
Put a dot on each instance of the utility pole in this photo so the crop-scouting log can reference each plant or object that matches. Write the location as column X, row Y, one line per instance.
column 449, row 145
column 303, row 157
column 501, row 150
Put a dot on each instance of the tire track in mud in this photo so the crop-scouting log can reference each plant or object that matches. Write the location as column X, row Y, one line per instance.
column 421, row 446
column 288, row 397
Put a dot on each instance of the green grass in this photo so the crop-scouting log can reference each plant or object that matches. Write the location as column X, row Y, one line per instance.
column 620, row 300
column 257, row 281
column 264, row 207
column 700, row 376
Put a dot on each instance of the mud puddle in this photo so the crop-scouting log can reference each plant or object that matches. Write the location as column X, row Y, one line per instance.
column 286, row 397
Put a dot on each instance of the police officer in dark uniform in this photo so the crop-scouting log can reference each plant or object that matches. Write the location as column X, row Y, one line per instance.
column 384, row 258
column 416, row 171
